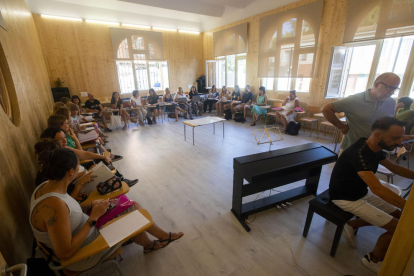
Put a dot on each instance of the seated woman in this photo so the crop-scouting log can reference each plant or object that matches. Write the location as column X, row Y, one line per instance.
column 56, row 106
column 235, row 96
column 403, row 111
column 136, row 102
column 59, row 223
column 76, row 100
column 56, row 134
column 183, row 105
column 196, row 105
column 76, row 120
column 65, row 100
column 223, row 98
column 211, row 99
column 171, row 107
column 117, row 103
column 153, row 101
column 289, row 106
column 261, row 101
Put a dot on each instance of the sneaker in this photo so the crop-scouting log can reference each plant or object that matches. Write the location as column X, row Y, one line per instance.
column 375, row 267
column 349, row 234
column 108, row 130
column 130, row 183
column 115, row 158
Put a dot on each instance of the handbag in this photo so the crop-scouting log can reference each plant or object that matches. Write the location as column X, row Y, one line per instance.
column 116, row 120
column 122, row 203
column 109, row 186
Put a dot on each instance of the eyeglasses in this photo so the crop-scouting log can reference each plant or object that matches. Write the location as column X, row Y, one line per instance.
column 390, row 88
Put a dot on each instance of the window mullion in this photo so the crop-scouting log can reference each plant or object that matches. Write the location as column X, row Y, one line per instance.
column 375, row 62
column 148, row 75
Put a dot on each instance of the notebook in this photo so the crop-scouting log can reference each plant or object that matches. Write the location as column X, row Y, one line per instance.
column 88, row 118
column 182, row 100
column 87, row 136
column 102, row 172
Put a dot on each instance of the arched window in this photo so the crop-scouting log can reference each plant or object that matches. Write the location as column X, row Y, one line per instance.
column 138, row 42
column 123, row 49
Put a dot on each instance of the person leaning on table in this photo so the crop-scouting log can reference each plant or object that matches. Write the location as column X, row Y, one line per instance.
column 58, row 221
column 363, row 109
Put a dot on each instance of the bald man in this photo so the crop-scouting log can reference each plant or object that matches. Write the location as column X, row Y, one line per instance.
column 363, row 109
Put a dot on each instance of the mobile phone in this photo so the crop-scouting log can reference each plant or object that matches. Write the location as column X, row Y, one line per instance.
column 111, row 206
column 408, row 141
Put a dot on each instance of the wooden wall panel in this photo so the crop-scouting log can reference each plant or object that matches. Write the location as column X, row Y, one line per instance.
column 80, row 53
column 331, row 33
column 18, row 166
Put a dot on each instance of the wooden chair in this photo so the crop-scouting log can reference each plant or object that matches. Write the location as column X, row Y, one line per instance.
column 312, row 120
column 273, row 113
column 389, row 174
column 328, row 124
column 95, row 247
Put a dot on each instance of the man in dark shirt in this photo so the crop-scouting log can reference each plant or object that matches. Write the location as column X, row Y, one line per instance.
column 93, row 105
column 355, row 188
column 246, row 100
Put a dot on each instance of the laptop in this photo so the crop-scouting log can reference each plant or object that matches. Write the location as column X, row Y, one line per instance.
column 196, row 98
column 182, row 100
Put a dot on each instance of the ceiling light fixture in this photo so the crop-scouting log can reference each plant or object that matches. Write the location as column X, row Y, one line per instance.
column 136, row 26
column 102, row 22
column 61, row 17
column 164, row 29
column 190, row 32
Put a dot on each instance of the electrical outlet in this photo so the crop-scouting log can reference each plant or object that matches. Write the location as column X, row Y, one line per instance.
column 84, row 94
column 190, row 85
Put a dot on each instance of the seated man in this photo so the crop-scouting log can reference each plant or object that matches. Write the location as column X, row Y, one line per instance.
column 246, row 100
column 93, row 105
column 57, row 134
column 355, row 188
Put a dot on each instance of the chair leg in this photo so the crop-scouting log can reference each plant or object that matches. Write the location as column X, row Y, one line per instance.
column 308, row 222
column 310, row 135
column 337, row 238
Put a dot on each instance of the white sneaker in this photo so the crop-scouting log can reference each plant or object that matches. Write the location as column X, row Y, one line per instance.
column 375, row 267
column 349, row 234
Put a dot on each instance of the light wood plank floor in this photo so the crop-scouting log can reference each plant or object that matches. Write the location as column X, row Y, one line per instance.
column 189, row 188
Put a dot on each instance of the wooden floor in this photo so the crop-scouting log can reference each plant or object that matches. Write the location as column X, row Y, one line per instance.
column 189, row 188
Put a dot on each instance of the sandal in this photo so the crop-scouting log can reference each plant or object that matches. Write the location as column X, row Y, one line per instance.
column 253, row 124
column 124, row 128
column 148, row 250
column 169, row 240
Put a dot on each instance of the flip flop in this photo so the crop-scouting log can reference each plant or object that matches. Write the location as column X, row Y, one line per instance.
column 169, row 240
column 148, row 250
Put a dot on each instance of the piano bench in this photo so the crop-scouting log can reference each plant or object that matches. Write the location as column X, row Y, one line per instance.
column 323, row 206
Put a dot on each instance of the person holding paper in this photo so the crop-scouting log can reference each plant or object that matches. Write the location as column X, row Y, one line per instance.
column 59, row 223
column 224, row 97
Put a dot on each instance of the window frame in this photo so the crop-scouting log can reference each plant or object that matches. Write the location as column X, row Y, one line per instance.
column 237, row 57
column 407, row 79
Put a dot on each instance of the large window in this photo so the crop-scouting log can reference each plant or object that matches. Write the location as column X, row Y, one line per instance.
column 355, row 67
column 286, row 84
column 227, row 71
column 139, row 71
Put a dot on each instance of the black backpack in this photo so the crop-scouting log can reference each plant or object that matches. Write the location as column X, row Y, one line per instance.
column 293, row 128
column 238, row 116
column 227, row 114
column 149, row 121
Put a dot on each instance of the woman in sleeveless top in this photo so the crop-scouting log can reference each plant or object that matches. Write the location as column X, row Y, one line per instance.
column 172, row 106
column 289, row 106
column 224, row 95
column 261, row 101
column 58, row 221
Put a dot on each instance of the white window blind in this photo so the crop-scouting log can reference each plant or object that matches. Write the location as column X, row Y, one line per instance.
column 288, row 42
column 378, row 19
column 230, row 41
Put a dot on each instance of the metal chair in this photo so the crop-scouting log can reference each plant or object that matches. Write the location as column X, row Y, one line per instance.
column 311, row 120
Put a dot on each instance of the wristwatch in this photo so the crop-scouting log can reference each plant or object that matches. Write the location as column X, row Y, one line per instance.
column 92, row 223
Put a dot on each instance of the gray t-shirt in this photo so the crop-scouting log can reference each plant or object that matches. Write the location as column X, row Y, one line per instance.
column 361, row 112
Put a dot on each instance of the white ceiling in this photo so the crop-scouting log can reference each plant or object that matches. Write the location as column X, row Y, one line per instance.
column 194, row 15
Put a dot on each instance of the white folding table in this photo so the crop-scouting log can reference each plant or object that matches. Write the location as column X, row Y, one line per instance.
column 201, row 122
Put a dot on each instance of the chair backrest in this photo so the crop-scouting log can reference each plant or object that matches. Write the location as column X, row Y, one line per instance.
column 313, row 109
column 400, row 153
column 277, row 104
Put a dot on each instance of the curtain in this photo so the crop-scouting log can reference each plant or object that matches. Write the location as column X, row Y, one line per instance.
column 288, row 42
column 230, row 41
column 378, row 19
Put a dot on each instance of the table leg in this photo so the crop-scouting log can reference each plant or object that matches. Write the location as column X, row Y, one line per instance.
column 193, row 136
column 223, row 129
column 185, row 139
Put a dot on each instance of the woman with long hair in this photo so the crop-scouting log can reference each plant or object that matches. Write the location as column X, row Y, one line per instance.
column 261, row 101
column 195, row 105
column 154, row 107
column 224, row 97
column 289, row 106
column 235, row 96
column 117, row 103
column 58, row 221
column 211, row 98
column 183, row 105
column 56, row 106
column 171, row 106
column 76, row 100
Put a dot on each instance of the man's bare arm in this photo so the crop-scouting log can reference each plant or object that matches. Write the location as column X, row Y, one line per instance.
column 329, row 111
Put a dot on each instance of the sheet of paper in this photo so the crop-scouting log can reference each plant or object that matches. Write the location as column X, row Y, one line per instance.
column 123, row 227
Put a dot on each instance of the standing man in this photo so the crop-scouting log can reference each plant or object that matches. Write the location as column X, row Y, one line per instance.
column 246, row 100
column 93, row 105
column 363, row 109
column 355, row 188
